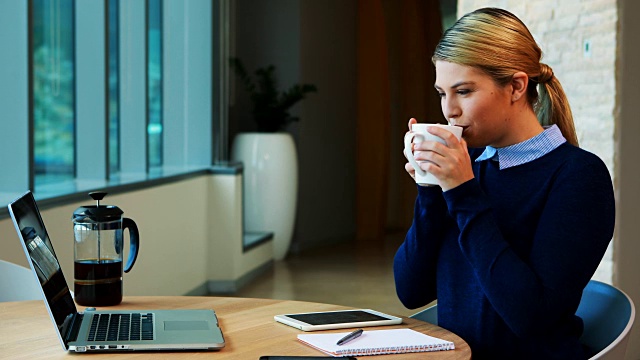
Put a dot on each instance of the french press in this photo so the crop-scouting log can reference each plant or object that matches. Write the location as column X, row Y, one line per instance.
column 99, row 232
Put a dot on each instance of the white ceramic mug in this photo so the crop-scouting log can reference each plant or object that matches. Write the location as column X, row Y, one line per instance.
column 419, row 134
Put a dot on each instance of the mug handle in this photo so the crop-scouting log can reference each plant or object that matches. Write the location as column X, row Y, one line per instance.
column 134, row 242
column 408, row 138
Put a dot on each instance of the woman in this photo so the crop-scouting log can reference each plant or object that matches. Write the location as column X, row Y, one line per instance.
column 522, row 216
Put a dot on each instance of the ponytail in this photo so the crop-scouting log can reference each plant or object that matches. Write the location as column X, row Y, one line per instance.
column 552, row 106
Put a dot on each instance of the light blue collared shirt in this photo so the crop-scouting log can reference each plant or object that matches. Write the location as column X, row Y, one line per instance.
column 526, row 151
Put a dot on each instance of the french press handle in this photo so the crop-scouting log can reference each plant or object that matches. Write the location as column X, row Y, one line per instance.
column 134, row 242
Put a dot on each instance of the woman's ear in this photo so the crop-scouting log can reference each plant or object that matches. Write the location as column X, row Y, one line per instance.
column 519, row 83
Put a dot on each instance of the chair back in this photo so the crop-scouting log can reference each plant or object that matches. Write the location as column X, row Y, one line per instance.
column 18, row 283
column 608, row 315
column 429, row 315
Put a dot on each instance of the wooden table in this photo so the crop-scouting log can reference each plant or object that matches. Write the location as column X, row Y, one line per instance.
column 26, row 330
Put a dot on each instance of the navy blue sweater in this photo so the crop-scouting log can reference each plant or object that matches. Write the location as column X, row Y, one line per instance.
column 508, row 253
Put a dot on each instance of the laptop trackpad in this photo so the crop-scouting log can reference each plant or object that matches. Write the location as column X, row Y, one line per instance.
column 186, row 325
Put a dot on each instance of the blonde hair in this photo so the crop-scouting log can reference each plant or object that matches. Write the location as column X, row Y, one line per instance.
column 497, row 42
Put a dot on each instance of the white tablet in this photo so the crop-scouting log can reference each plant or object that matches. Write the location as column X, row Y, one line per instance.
column 341, row 319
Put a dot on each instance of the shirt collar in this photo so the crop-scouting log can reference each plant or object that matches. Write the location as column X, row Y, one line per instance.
column 526, row 151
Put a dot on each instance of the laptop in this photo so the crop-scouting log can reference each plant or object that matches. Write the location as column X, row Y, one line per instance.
column 117, row 330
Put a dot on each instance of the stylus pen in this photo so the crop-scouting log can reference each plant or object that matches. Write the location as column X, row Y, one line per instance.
column 349, row 337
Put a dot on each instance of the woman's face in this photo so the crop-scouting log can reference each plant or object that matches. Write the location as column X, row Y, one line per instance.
column 471, row 99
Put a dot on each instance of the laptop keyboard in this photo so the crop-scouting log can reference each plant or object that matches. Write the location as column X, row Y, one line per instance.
column 121, row 327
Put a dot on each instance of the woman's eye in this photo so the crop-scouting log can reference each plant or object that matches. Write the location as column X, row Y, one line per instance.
column 463, row 92
column 441, row 94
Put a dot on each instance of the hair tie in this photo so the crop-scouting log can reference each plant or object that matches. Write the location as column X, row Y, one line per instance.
column 546, row 74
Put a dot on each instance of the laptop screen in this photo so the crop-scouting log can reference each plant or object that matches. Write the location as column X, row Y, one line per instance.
column 39, row 251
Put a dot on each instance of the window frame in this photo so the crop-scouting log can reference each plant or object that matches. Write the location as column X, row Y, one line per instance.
column 101, row 177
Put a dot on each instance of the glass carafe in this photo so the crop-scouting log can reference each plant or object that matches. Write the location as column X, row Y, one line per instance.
column 98, row 252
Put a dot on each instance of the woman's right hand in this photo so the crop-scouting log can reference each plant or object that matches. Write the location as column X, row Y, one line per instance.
column 449, row 163
column 407, row 166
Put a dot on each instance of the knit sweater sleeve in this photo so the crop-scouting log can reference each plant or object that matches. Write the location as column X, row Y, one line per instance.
column 575, row 227
column 415, row 261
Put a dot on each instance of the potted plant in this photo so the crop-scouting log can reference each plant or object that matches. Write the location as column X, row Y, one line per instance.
column 270, row 176
column 270, row 107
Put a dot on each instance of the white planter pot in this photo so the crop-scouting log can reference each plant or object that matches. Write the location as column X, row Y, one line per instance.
column 270, row 181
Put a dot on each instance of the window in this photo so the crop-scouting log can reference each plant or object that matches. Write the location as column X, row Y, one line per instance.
column 107, row 92
column 154, row 69
column 53, row 91
column 114, row 87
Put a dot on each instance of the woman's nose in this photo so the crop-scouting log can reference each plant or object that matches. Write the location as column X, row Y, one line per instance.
column 450, row 109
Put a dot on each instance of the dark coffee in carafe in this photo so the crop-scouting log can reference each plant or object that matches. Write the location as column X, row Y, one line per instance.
column 98, row 251
column 98, row 283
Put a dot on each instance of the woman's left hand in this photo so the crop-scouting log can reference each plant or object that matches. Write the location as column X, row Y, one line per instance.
column 449, row 163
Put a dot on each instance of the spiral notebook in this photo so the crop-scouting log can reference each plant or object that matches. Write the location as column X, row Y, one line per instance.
column 376, row 342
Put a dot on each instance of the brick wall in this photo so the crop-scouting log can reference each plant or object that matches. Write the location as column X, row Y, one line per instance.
column 563, row 29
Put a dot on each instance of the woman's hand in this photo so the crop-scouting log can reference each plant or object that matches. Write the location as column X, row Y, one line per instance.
column 449, row 163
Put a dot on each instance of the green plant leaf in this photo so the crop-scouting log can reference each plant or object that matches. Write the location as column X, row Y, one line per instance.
column 241, row 73
column 270, row 108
